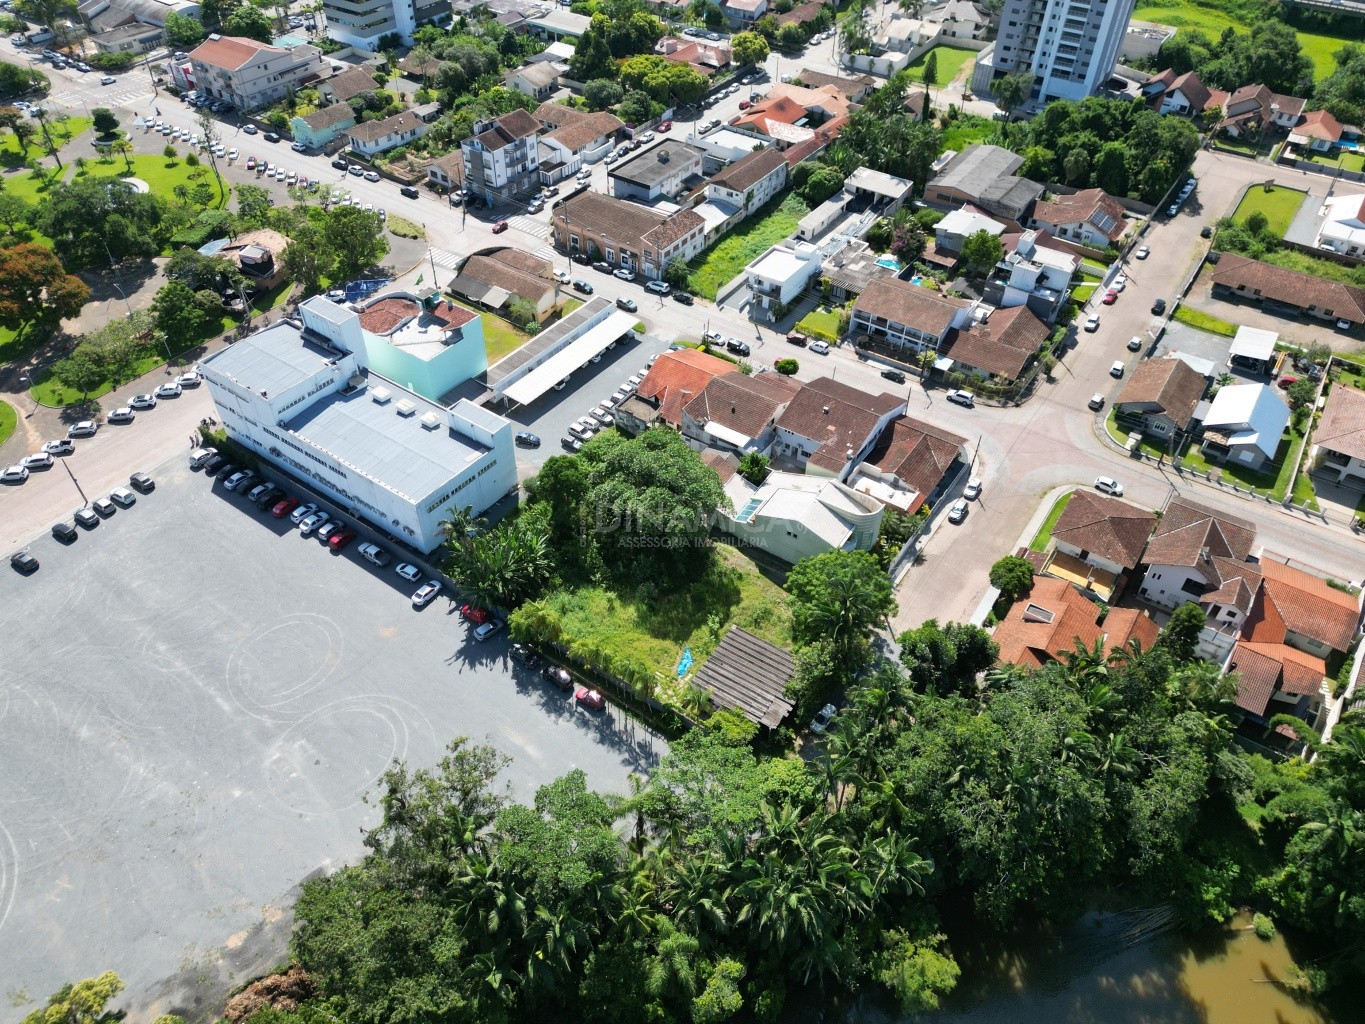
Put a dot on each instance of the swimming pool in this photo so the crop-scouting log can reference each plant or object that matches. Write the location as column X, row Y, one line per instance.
column 890, row 263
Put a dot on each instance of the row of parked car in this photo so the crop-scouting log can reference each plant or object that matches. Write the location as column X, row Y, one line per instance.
column 88, row 516
column 584, row 696
column 602, row 416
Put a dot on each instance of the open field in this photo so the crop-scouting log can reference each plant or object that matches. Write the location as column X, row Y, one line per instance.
column 766, row 227
column 499, row 336
column 951, row 60
column 1279, row 204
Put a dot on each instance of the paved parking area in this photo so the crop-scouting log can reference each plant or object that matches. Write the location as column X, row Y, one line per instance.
column 200, row 701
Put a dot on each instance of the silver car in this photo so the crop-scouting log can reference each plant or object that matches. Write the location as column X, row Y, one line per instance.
column 303, row 512
column 312, row 522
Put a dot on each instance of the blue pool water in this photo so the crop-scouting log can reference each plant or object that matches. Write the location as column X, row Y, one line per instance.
column 889, row 262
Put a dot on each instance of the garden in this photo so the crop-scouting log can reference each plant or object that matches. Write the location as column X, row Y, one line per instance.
column 821, row 322
column 499, row 336
column 727, row 258
column 1192, row 317
column 1277, row 204
column 1274, row 481
column 1043, row 537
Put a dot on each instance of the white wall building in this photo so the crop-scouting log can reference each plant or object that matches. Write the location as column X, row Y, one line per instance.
column 1070, row 46
column 781, row 274
column 249, row 74
column 363, row 23
column 301, row 395
column 794, row 516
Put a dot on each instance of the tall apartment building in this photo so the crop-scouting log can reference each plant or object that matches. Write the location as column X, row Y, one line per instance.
column 1070, row 46
column 501, row 159
column 363, row 23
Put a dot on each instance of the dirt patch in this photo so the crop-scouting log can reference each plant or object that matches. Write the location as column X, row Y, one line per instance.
column 277, row 992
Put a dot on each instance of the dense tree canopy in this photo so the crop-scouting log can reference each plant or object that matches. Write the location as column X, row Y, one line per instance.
column 95, row 221
column 35, row 288
column 1268, row 55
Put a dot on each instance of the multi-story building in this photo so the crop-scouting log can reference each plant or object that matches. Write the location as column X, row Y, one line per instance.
column 363, row 23
column 501, row 159
column 1069, row 46
column 625, row 234
column 303, row 396
column 900, row 313
column 249, row 74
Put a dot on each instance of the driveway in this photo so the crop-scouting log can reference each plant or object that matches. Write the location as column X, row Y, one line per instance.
column 202, row 702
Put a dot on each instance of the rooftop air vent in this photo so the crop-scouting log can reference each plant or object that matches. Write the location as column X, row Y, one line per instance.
column 663, row 156
column 1037, row 613
column 431, row 421
column 380, row 395
column 404, row 407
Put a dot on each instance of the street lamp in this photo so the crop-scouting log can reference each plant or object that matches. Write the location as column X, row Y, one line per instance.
column 23, row 379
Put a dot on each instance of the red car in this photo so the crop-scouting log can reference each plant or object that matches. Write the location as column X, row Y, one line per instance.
column 283, row 508
column 340, row 539
column 744, row 104
column 1110, row 297
column 590, row 699
column 1285, row 381
column 665, row 126
column 473, row 613
column 499, row 227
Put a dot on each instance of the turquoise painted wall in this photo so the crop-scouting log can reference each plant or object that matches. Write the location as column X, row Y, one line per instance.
column 431, row 378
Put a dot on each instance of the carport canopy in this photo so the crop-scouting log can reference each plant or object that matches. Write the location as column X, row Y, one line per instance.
column 595, row 341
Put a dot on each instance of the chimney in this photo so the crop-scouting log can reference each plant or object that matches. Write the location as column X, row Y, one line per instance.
column 1204, row 554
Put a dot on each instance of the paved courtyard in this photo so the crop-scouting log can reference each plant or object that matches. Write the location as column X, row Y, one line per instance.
column 200, row 702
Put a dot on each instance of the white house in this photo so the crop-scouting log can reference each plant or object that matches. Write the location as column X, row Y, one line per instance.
column 1244, row 425
column 904, row 314
column 371, row 137
column 743, row 13
column 249, row 74
column 305, row 399
column 1033, row 275
column 793, row 516
column 1342, row 228
column 960, row 224
column 781, row 274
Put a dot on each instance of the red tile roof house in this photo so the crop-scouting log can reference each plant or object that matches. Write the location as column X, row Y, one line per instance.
column 1090, row 217
column 1295, row 625
column 671, row 383
column 1339, row 440
column 1250, row 109
column 910, row 464
column 829, row 427
column 1054, row 617
column 1279, row 290
column 1198, row 554
column 738, row 413
column 1097, row 540
column 1169, row 93
column 1162, row 394
column 1319, row 131
column 1002, row 345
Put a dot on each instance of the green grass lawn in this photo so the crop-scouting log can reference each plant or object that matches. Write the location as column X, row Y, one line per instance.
column 1119, row 432
column 499, row 336
column 735, row 251
column 15, row 345
column 1346, row 159
column 1043, row 537
column 643, row 636
column 969, row 128
column 1304, row 494
column 1279, row 204
column 273, row 298
column 8, row 419
column 153, row 170
column 1238, row 145
column 820, row 323
column 1275, row 479
column 60, row 129
column 1204, row 321
column 950, row 61
column 404, row 228
column 1081, row 293
column 1209, row 17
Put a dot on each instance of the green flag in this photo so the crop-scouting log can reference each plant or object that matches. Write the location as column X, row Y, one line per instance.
column 419, row 279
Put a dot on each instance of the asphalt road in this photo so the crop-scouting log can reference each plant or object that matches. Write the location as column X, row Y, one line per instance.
column 200, row 702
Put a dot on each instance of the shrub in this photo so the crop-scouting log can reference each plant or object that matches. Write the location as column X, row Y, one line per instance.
column 1012, row 576
column 1263, row 926
column 786, row 367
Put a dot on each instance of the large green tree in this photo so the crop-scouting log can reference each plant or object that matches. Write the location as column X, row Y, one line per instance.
column 85, row 1002
column 96, row 221
column 182, row 31
column 356, row 236
column 36, row 289
column 841, row 597
column 251, row 22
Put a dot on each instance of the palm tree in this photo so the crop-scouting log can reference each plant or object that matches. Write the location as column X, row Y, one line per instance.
column 124, row 148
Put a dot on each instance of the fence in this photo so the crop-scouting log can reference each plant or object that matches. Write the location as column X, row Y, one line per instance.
column 909, row 551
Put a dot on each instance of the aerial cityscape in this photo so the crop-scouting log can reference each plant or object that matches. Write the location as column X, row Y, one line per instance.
column 682, row 510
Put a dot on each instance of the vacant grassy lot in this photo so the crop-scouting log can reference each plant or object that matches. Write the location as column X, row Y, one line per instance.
column 1279, row 204
column 499, row 336
column 820, row 323
column 950, row 61
column 1274, row 479
column 8, row 419
column 1346, row 159
column 1212, row 16
column 729, row 256
column 1204, row 321
column 640, row 637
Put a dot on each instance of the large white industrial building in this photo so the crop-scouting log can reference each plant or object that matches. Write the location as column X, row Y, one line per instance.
column 301, row 394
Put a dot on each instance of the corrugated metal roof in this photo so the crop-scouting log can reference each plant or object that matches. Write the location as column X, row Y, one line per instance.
column 270, row 361
column 395, row 451
column 750, row 674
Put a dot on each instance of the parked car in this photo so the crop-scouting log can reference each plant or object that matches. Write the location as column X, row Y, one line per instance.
column 823, row 719
column 1116, row 370
column 14, row 475
column 86, row 517
column 962, row 397
column 523, row 655
column 1092, row 324
column 283, row 507
column 374, row 554
column 408, row 571
column 340, row 539
column 684, row 297
column 22, row 561
column 1158, row 307
column 104, row 507
column 1109, row 485
column 189, row 380
column 64, row 532
column 42, row 460
column 582, row 286
column 1096, row 401
column 123, row 415
column 894, row 376
column 327, row 529
column 973, row 489
column 957, row 512
column 739, row 348
column 62, row 447
column 490, row 627
column 559, row 676
column 142, row 402
column 123, row 496
column 590, row 699
column 1119, row 283
column 426, row 593
column 525, row 439
column 85, row 428
column 1110, row 297
column 658, row 287
column 142, row 482
column 628, row 305
column 313, row 522
column 819, row 348
column 624, row 274
column 1142, row 252
column 796, row 339
column 473, row 613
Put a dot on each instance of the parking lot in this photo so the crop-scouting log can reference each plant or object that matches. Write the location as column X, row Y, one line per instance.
column 196, row 699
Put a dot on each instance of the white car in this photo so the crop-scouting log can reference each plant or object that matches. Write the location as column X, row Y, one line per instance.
column 490, row 627
column 40, row 461
column 408, row 571
column 328, row 528
column 232, row 153
column 168, row 390
column 123, row 496
column 189, row 380
column 108, row 80
column 1096, row 401
column 958, row 511
column 302, row 512
column 1117, row 369
column 312, row 522
column 142, row 402
column 973, row 489
column 123, row 415
column 819, row 348
column 426, row 593
column 603, row 417
column 1143, row 252
column 1109, row 485
column 1092, row 324
column 1120, row 283
column 85, row 428
column 14, row 475
column 562, row 276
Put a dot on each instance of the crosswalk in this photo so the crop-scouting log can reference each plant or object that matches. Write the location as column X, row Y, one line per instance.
column 441, row 258
column 547, row 253
column 529, row 225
